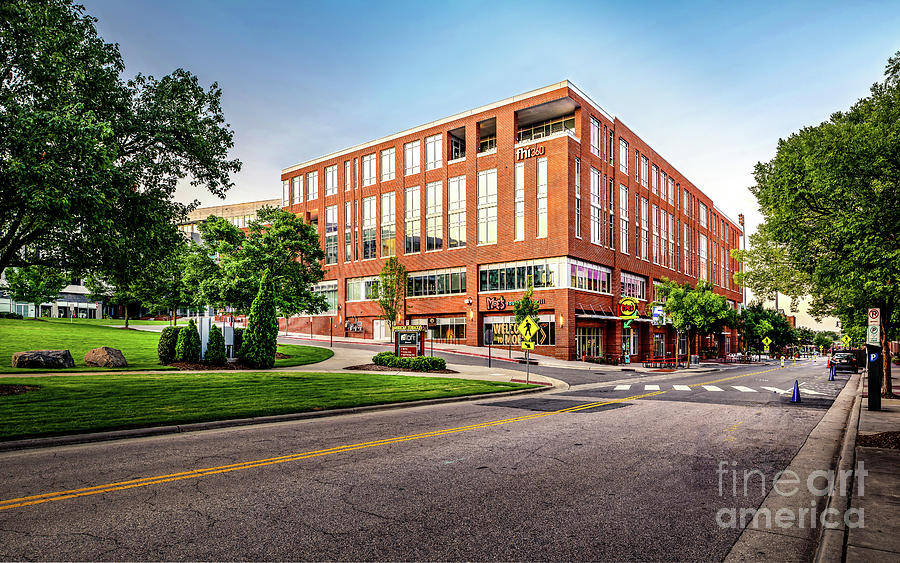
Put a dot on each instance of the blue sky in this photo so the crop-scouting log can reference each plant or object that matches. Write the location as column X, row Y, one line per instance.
column 710, row 85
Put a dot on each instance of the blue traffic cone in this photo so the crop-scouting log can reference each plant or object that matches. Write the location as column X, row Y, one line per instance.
column 795, row 396
column 831, row 374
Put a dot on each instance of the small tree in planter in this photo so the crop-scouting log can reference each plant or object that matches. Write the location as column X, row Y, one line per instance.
column 261, row 337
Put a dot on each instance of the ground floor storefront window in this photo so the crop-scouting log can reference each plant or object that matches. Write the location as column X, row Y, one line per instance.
column 630, row 342
column 448, row 330
column 588, row 342
column 659, row 345
column 506, row 333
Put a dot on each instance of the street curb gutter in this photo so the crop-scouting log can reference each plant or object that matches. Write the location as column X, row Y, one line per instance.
column 54, row 441
column 819, row 452
column 831, row 540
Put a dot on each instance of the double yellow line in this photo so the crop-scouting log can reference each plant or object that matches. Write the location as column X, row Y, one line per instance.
column 143, row 482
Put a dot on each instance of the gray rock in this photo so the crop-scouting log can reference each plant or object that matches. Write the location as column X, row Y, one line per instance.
column 50, row 359
column 105, row 357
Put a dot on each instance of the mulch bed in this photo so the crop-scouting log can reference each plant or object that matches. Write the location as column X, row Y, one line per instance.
column 374, row 367
column 889, row 440
column 187, row 366
column 16, row 389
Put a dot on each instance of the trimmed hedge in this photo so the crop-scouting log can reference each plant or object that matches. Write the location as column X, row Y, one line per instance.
column 215, row 347
column 165, row 350
column 419, row 363
column 16, row 316
column 187, row 349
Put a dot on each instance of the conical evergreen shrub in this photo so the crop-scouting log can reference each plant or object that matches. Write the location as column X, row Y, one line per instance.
column 261, row 337
column 215, row 347
column 188, row 347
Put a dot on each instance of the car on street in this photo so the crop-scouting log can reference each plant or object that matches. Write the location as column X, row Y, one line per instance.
column 844, row 360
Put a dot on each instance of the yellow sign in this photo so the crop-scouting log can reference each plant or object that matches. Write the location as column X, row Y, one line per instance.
column 766, row 348
column 767, row 341
column 528, row 328
column 527, row 345
column 846, row 340
column 628, row 308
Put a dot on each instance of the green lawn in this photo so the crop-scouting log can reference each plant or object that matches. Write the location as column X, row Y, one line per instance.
column 114, row 322
column 139, row 347
column 91, row 403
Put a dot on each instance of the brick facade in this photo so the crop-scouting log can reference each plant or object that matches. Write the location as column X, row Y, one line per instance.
column 568, row 309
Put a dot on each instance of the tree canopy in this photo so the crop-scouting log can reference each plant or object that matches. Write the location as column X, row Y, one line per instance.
column 831, row 202
column 78, row 143
column 695, row 310
column 35, row 284
column 226, row 269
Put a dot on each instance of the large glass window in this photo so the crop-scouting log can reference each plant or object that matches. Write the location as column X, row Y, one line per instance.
column 412, row 215
column 449, row 281
column 519, row 201
column 411, row 158
column 662, row 186
column 596, row 206
column 645, row 231
column 589, row 277
column 347, row 175
column 596, row 136
column 623, row 218
column 654, row 218
column 456, row 206
column 434, row 216
column 487, row 206
column 388, row 228
column 388, row 161
column 331, row 234
column 433, row 156
column 362, row 289
column 654, row 180
column 644, row 171
column 588, row 342
column 328, row 289
column 512, row 276
column 702, row 215
column 368, row 169
column 370, row 224
column 285, row 193
column 331, row 182
column 623, row 155
column 629, row 342
column 297, row 189
column 704, row 267
column 312, row 185
column 578, row 198
column 348, row 231
column 633, row 286
column 542, row 197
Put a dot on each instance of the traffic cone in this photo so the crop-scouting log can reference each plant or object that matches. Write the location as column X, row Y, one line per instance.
column 782, row 361
column 831, row 374
column 795, row 396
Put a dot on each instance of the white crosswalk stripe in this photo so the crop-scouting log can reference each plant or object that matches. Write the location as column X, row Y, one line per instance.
column 810, row 391
column 775, row 389
column 743, row 389
column 712, row 388
column 651, row 387
column 623, row 387
column 682, row 387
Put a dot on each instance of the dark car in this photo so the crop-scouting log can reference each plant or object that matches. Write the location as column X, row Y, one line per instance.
column 844, row 360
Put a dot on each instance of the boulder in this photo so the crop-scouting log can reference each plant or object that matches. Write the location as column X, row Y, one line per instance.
column 105, row 357
column 48, row 359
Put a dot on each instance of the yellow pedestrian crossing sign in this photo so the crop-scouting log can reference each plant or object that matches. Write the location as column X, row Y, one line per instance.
column 527, row 345
column 767, row 341
column 527, row 328
column 846, row 340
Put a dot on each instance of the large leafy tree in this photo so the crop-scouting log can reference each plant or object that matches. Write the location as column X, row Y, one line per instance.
column 225, row 270
column 831, row 202
column 392, row 289
column 695, row 310
column 164, row 287
column 757, row 322
column 34, row 284
column 77, row 141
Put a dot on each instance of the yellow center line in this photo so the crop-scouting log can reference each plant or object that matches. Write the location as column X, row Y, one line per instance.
column 145, row 481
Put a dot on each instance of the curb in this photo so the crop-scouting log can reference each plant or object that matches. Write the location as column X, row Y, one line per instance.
column 54, row 441
column 831, row 541
column 793, row 543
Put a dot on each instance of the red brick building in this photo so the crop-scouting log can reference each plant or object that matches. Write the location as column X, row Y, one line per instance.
column 544, row 188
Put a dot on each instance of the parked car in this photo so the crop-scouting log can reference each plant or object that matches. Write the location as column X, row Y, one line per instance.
column 844, row 360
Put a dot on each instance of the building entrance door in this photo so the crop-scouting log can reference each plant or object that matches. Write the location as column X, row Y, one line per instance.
column 659, row 345
column 379, row 329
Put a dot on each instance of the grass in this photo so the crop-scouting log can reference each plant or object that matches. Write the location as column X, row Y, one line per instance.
column 92, row 403
column 139, row 347
column 113, row 322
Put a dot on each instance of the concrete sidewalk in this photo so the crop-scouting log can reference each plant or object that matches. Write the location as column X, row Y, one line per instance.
column 877, row 499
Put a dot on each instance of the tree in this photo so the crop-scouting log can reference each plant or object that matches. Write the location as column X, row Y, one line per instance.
column 35, row 284
column 261, row 337
column 804, row 335
column 824, row 339
column 188, row 347
column 278, row 242
column 77, row 140
column 831, row 202
column 756, row 323
column 392, row 290
column 526, row 307
column 164, row 287
column 215, row 347
column 695, row 311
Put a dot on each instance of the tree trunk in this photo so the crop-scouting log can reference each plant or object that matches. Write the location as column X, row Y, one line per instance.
column 37, row 310
column 126, row 315
column 887, row 390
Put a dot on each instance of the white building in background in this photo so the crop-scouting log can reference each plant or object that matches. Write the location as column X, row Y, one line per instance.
column 73, row 300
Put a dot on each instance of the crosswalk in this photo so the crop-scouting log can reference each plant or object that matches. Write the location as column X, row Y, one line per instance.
column 714, row 389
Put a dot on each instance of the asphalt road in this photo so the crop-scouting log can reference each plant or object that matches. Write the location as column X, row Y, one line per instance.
column 624, row 474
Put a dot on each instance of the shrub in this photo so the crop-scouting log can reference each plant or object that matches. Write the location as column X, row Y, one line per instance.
column 16, row 316
column 419, row 363
column 215, row 347
column 165, row 350
column 187, row 349
column 238, row 340
column 261, row 339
